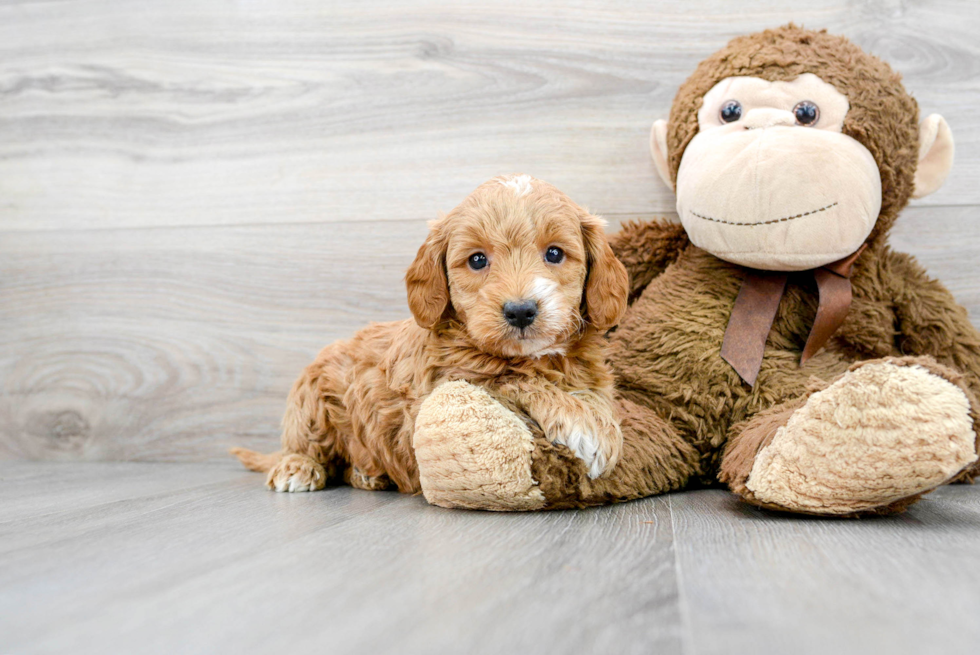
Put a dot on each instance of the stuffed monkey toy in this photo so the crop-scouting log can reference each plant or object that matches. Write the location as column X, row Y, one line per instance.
column 774, row 342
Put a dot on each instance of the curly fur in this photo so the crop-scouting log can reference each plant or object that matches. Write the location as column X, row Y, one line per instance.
column 353, row 410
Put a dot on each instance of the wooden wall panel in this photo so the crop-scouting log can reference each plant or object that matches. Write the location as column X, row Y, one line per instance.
column 195, row 196
column 175, row 343
column 194, row 112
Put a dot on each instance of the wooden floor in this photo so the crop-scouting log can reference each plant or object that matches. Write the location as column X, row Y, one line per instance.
column 199, row 558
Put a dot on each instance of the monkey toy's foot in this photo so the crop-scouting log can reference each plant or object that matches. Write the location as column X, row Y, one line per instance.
column 473, row 452
column 873, row 441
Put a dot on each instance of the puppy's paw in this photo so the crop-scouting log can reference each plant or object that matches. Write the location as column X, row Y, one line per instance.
column 360, row 480
column 297, row 472
column 598, row 448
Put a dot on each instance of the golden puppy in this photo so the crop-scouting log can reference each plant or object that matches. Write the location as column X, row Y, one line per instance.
column 512, row 290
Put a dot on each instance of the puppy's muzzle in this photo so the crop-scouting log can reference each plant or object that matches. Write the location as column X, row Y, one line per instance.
column 520, row 314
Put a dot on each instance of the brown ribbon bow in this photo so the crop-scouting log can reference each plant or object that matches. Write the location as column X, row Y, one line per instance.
column 755, row 310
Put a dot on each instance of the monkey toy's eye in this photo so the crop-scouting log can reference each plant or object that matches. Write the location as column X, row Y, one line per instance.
column 731, row 111
column 477, row 261
column 554, row 255
column 806, row 113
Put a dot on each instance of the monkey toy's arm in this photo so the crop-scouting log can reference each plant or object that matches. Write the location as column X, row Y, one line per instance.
column 929, row 321
column 646, row 249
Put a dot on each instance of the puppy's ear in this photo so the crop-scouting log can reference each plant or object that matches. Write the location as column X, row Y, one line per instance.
column 428, row 288
column 607, row 284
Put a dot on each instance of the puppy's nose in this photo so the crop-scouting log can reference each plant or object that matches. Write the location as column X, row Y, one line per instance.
column 520, row 314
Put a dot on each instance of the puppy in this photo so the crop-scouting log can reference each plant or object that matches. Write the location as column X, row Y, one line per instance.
column 513, row 291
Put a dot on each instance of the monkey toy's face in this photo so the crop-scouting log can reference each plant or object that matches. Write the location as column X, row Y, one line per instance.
column 770, row 180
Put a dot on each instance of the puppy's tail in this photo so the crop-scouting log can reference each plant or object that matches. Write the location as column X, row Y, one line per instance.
column 256, row 461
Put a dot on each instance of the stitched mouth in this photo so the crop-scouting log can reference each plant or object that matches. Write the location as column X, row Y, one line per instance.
column 770, row 222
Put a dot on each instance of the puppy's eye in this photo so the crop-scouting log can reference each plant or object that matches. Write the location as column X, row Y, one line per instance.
column 477, row 261
column 731, row 111
column 806, row 113
column 554, row 255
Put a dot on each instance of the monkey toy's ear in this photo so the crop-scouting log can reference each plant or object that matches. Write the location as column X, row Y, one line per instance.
column 658, row 148
column 935, row 155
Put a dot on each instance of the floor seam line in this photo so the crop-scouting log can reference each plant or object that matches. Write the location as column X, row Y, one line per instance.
column 687, row 645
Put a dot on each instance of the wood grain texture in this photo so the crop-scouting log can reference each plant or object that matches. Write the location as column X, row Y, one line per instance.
column 178, row 343
column 758, row 582
column 192, row 558
column 207, row 561
column 117, row 113
column 173, row 344
column 196, row 196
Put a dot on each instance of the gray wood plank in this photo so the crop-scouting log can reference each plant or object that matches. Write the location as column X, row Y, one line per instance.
column 231, row 567
column 210, row 562
column 759, row 582
column 121, row 113
column 172, row 344
column 23, row 485
column 159, row 344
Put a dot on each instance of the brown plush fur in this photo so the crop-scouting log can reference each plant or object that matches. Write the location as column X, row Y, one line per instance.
column 352, row 412
column 666, row 351
column 748, row 438
column 689, row 417
column 654, row 461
